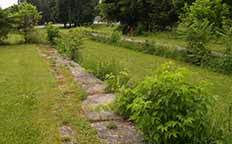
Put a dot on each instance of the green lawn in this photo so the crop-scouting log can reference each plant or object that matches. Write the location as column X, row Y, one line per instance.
column 141, row 65
column 32, row 106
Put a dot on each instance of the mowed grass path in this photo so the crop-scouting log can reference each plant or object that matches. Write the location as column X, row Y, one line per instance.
column 26, row 87
column 32, row 107
column 140, row 65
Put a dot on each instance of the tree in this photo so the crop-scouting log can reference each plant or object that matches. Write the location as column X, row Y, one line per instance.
column 127, row 12
column 48, row 9
column 148, row 15
column 214, row 11
column 27, row 17
column 5, row 24
column 77, row 12
column 229, row 3
column 63, row 11
column 53, row 7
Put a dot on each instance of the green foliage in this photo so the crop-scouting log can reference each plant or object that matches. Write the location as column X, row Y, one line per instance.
column 214, row 11
column 115, row 37
column 102, row 68
column 70, row 45
column 116, row 82
column 227, row 58
column 5, row 24
column 48, row 9
column 197, row 35
column 150, row 47
column 52, row 32
column 36, row 36
column 147, row 15
column 27, row 17
column 112, row 125
column 77, row 12
column 168, row 109
column 140, row 65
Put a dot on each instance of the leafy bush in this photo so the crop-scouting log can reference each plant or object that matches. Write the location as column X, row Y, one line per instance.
column 214, row 11
column 70, row 45
column 36, row 36
column 227, row 59
column 150, row 47
column 102, row 68
column 197, row 35
column 116, row 82
column 52, row 32
column 115, row 37
column 168, row 109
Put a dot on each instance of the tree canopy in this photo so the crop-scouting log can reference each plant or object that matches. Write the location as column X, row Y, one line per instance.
column 75, row 12
column 26, row 16
column 5, row 24
column 148, row 15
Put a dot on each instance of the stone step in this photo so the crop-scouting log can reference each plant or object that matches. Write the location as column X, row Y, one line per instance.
column 94, row 89
column 99, row 115
column 118, row 132
column 99, row 99
column 97, row 107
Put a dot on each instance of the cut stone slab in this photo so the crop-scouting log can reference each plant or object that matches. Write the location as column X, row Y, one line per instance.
column 86, row 78
column 94, row 115
column 94, row 89
column 88, row 81
column 124, row 133
column 99, row 99
column 96, row 107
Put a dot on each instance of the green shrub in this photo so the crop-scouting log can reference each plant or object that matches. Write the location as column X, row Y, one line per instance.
column 116, row 82
column 102, row 68
column 70, row 45
column 150, row 47
column 115, row 37
column 52, row 32
column 227, row 58
column 197, row 35
column 214, row 11
column 36, row 36
column 168, row 109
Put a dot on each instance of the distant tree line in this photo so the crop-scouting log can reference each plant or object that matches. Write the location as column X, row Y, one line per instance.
column 68, row 12
column 135, row 16
column 156, row 15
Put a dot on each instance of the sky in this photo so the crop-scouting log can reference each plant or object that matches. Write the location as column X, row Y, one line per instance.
column 7, row 3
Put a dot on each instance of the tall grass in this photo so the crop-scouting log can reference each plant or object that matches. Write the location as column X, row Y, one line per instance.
column 101, row 68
